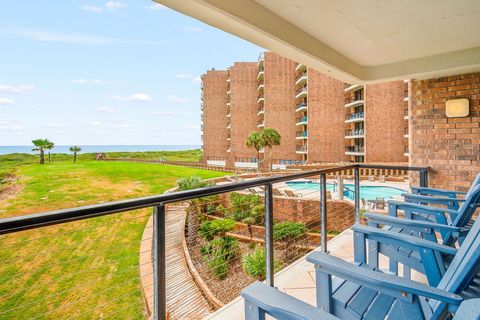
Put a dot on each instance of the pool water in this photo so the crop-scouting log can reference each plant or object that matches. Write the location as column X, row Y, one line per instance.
column 366, row 192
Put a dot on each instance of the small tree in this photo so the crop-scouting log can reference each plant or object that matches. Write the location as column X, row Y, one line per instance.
column 254, row 141
column 75, row 149
column 270, row 137
column 49, row 147
column 41, row 145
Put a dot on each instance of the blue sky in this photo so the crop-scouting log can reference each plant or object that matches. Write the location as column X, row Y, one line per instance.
column 106, row 72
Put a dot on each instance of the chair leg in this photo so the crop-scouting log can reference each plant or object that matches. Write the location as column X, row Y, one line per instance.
column 252, row 312
column 324, row 290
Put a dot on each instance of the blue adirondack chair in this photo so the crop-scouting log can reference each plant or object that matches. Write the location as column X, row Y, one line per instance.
column 460, row 219
column 447, row 198
column 363, row 292
column 261, row 299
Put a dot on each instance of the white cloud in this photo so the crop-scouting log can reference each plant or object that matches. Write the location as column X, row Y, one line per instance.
column 95, row 123
column 107, row 109
column 169, row 113
column 191, row 127
column 154, row 6
column 193, row 29
column 88, row 81
column 102, row 132
column 137, row 97
column 125, row 126
column 16, row 89
column 5, row 101
column 176, row 99
column 68, row 38
column 55, row 125
column 115, row 5
column 94, row 9
column 195, row 79
column 10, row 126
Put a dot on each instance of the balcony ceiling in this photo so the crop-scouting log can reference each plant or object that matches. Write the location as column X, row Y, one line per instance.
column 355, row 41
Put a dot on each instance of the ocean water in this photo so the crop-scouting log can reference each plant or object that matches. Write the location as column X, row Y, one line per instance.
column 105, row 148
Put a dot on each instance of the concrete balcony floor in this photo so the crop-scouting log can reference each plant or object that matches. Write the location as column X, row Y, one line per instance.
column 298, row 279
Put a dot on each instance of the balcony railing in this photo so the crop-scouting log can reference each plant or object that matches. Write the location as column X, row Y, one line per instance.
column 17, row 232
column 356, row 149
column 354, row 100
column 300, row 120
column 261, row 124
column 261, row 109
column 355, row 116
column 355, row 133
column 301, row 106
column 302, row 149
column 300, row 90
column 301, row 134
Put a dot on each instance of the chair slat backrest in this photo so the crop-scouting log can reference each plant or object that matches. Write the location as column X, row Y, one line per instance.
column 471, row 203
column 464, row 265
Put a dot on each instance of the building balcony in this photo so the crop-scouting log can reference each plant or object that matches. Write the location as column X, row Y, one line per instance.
column 228, row 149
column 229, row 125
column 229, row 115
column 301, row 121
column 261, row 59
column 301, row 93
column 406, row 133
column 301, row 135
column 261, row 124
column 354, row 102
column 260, row 87
column 352, row 87
column 406, row 153
column 405, row 114
column 262, row 150
column 302, row 79
column 354, row 134
column 261, row 99
column 301, row 107
column 300, row 67
column 355, row 150
column 405, row 95
column 261, row 74
column 261, row 110
column 355, row 117
column 301, row 149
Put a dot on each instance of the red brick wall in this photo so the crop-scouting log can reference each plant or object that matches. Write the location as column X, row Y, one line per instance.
column 326, row 118
column 214, row 114
column 243, row 95
column 384, row 122
column 450, row 146
column 279, row 103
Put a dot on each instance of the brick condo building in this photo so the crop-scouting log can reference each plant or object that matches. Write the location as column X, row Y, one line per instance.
column 320, row 119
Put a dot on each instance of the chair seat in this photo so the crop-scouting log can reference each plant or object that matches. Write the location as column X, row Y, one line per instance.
column 354, row 301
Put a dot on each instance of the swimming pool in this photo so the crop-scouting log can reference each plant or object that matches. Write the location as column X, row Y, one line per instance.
column 366, row 192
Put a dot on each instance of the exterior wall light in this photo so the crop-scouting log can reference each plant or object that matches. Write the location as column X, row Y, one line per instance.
column 457, row 108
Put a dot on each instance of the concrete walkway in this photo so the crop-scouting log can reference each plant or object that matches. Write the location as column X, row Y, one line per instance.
column 184, row 299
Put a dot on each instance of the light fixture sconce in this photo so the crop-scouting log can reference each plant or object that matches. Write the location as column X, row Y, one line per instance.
column 457, row 108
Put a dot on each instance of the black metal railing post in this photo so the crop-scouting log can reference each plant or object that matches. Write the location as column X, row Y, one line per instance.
column 159, row 264
column 357, row 194
column 323, row 211
column 424, row 178
column 269, row 234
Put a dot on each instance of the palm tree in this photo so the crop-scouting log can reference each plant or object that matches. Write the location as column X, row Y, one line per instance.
column 270, row 137
column 75, row 149
column 254, row 141
column 49, row 147
column 41, row 145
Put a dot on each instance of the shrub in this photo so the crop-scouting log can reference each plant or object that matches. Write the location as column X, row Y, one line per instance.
column 289, row 230
column 219, row 252
column 254, row 263
column 192, row 182
column 243, row 204
column 210, row 229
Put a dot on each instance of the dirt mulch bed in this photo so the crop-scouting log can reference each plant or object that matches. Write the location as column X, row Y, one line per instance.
column 10, row 186
column 228, row 288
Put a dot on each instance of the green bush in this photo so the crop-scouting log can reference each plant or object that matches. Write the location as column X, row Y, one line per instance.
column 254, row 263
column 243, row 204
column 288, row 230
column 219, row 252
column 210, row 229
column 192, row 182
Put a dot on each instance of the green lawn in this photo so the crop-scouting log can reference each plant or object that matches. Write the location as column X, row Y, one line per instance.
column 86, row 269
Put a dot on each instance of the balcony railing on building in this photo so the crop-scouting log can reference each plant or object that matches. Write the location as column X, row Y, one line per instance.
column 301, row 106
column 405, row 114
column 260, row 98
column 355, row 116
column 301, row 134
column 301, row 78
column 300, row 67
column 406, row 132
column 301, row 120
column 261, row 124
column 352, row 87
column 301, row 93
column 355, row 149
column 355, row 100
column 354, row 133
column 261, row 110
column 301, row 149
